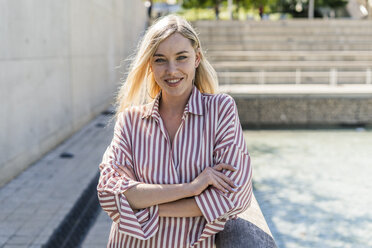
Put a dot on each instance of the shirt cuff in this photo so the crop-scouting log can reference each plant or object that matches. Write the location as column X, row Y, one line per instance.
column 142, row 225
column 213, row 204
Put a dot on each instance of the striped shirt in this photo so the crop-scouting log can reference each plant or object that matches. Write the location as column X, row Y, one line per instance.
column 210, row 133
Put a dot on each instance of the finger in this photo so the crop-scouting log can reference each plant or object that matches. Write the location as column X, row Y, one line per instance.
column 217, row 185
column 225, row 178
column 225, row 186
column 228, row 167
column 220, row 167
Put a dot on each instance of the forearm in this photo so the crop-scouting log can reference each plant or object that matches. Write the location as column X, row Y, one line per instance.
column 146, row 195
column 181, row 208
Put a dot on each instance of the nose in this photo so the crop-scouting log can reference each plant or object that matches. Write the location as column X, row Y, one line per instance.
column 172, row 68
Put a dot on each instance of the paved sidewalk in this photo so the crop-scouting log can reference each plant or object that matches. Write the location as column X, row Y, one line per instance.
column 35, row 205
column 99, row 233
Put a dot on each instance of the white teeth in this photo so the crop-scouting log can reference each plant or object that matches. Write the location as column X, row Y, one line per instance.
column 173, row 81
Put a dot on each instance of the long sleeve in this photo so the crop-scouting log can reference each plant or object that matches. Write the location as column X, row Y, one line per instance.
column 229, row 148
column 111, row 186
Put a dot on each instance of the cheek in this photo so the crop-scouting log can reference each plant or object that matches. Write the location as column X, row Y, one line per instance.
column 156, row 71
column 187, row 68
column 191, row 70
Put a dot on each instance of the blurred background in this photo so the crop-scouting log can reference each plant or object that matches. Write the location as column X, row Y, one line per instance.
column 300, row 72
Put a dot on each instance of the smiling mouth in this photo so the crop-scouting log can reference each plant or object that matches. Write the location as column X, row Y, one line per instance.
column 173, row 81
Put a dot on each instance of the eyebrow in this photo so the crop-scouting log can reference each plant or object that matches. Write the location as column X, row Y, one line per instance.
column 161, row 55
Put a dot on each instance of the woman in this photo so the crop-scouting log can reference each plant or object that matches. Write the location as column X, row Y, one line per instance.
column 177, row 168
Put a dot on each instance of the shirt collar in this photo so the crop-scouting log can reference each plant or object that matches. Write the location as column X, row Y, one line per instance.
column 194, row 105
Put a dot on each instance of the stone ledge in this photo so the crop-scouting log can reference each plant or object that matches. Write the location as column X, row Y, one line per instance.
column 249, row 230
column 297, row 90
column 302, row 105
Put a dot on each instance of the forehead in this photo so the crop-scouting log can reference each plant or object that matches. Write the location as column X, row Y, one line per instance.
column 174, row 44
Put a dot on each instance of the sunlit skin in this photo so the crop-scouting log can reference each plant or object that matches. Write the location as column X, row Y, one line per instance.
column 175, row 59
column 173, row 66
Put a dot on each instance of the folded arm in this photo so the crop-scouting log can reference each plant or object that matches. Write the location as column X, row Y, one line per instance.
column 145, row 195
column 176, row 200
column 182, row 208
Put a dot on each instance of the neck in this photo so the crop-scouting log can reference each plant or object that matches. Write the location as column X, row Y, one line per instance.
column 173, row 105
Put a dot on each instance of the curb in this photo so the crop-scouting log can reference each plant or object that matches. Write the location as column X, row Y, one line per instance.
column 73, row 229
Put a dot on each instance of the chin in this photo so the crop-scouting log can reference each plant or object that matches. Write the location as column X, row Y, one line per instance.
column 177, row 90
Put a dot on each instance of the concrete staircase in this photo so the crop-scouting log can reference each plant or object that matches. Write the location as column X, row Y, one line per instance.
column 294, row 68
column 290, row 52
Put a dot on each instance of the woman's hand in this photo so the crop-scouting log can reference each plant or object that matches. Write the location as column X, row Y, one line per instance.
column 213, row 176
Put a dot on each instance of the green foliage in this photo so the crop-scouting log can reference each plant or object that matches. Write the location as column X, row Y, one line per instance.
column 331, row 3
column 187, row 4
column 289, row 6
column 194, row 14
column 270, row 6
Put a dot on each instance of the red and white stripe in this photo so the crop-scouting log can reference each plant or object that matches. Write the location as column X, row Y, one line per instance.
column 210, row 133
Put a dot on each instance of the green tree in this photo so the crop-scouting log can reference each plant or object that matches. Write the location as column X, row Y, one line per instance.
column 331, row 3
column 187, row 4
column 289, row 6
column 255, row 4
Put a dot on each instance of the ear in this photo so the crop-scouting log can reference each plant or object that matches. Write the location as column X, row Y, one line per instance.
column 197, row 57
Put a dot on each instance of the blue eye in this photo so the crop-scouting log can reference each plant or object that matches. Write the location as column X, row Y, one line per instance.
column 159, row 60
column 181, row 57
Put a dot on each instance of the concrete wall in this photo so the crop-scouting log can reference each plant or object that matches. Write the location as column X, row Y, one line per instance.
column 58, row 70
column 304, row 112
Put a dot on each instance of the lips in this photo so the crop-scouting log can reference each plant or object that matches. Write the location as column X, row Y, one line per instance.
column 173, row 82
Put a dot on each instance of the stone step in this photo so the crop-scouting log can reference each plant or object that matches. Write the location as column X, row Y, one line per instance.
column 257, row 91
column 285, row 46
column 316, row 23
column 300, row 38
column 289, row 56
column 293, row 77
column 323, row 29
column 242, row 31
column 248, row 66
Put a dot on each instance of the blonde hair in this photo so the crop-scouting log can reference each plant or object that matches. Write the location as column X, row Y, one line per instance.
column 140, row 86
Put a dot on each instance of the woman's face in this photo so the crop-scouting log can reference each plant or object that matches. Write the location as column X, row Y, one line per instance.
column 173, row 66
